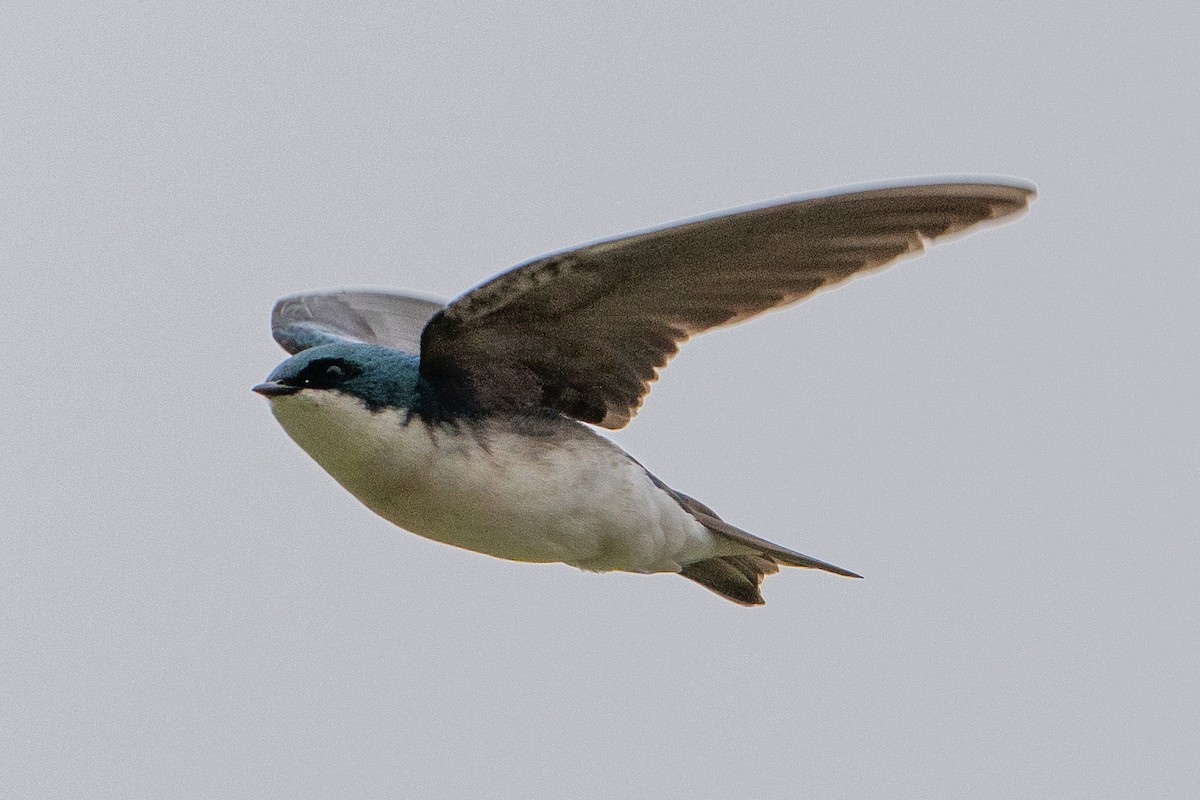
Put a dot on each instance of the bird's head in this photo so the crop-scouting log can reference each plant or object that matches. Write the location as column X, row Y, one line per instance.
column 380, row 377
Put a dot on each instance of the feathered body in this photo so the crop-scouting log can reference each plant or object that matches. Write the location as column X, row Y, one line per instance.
column 464, row 423
column 539, row 489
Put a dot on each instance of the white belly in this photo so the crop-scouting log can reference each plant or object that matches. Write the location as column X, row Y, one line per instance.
column 574, row 497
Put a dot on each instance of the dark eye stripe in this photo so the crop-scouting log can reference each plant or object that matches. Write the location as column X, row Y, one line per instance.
column 326, row 373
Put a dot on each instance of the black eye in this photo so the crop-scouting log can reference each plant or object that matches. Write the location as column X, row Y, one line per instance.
column 326, row 373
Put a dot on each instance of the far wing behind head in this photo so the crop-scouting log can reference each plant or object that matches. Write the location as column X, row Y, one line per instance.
column 301, row 321
column 585, row 332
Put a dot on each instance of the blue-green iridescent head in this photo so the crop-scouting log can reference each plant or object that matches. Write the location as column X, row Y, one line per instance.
column 381, row 377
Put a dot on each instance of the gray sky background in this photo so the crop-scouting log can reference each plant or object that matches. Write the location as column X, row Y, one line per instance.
column 1002, row 436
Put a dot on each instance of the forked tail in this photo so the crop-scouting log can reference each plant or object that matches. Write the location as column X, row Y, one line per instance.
column 738, row 577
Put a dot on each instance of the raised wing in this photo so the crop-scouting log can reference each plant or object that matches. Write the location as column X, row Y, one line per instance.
column 301, row 321
column 584, row 332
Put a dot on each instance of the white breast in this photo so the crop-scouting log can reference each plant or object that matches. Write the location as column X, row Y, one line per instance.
column 553, row 492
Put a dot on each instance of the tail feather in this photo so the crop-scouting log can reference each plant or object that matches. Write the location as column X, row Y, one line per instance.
column 735, row 578
column 738, row 577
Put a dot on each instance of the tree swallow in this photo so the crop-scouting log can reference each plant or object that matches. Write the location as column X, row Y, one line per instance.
column 469, row 423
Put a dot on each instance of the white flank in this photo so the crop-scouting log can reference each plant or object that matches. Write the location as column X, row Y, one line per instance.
column 576, row 499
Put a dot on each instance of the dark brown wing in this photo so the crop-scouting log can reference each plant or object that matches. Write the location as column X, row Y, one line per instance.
column 391, row 319
column 585, row 332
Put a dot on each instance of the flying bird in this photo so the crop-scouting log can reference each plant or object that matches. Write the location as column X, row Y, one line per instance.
column 471, row 423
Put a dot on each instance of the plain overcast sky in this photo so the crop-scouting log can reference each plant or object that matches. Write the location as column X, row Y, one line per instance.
column 1003, row 436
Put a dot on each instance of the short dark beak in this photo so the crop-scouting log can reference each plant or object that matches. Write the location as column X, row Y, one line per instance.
column 275, row 389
